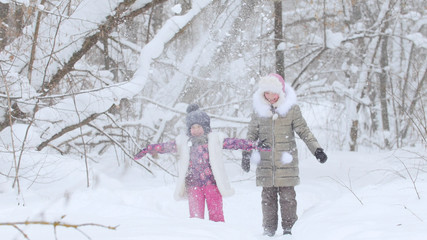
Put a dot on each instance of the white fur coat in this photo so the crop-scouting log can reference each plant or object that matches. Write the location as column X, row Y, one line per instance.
column 215, row 143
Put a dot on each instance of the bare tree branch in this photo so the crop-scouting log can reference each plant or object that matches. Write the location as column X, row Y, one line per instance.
column 103, row 30
column 68, row 129
column 55, row 225
column 119, row 145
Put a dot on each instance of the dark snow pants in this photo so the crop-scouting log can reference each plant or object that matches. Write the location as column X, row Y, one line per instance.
column 288, row 207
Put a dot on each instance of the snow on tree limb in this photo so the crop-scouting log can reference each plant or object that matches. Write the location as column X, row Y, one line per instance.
column 91, row 104
column 155, row 47
column 105, row 29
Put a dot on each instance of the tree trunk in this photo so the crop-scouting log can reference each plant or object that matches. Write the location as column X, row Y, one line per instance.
column 278, row 36
column 383, row 88
column 104, row 41
column 411, row 109
column 354, row 135
column 34, row 45
column 4, row 11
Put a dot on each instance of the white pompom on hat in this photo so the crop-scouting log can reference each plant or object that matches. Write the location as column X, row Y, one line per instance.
column 272, row 83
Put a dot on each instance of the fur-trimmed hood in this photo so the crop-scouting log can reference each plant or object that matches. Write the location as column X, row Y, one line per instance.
column 286, row 100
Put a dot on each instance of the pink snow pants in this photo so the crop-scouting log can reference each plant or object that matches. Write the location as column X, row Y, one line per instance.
column 196, row 200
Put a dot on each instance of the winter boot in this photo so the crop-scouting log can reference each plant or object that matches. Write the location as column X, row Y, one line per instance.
column 269, row 233
column 287, row 232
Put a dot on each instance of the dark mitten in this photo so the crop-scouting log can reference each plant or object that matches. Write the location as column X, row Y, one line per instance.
column 320, row 155
column 246, row 161
column 262, row 145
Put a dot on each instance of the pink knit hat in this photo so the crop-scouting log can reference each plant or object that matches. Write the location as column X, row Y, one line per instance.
column 280, row 78
column 272, row 83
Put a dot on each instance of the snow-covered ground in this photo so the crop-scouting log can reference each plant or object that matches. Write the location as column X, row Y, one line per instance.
column 354, row 196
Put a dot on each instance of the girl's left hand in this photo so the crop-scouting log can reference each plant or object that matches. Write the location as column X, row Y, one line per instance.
column 263, row 146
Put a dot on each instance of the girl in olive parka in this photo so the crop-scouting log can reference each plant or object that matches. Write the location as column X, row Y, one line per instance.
column 275, row 121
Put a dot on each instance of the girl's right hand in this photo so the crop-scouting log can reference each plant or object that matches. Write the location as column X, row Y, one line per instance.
column 140, row 155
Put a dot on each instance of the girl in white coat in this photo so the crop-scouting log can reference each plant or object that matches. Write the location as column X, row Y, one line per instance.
column 201, row 172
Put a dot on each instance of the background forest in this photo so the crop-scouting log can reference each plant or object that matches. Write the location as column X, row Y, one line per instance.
column 94, row 79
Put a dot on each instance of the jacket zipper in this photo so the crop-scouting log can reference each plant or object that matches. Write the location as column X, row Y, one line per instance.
column 273, row 147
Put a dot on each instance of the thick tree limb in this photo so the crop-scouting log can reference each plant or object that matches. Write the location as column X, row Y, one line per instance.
column 68, row 129
column 103, row 30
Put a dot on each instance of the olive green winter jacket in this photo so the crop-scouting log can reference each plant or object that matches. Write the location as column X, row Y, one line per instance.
column 279, row 167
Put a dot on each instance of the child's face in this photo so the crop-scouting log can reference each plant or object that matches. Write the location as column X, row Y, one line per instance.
column 196, row 130
column 271, row 97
